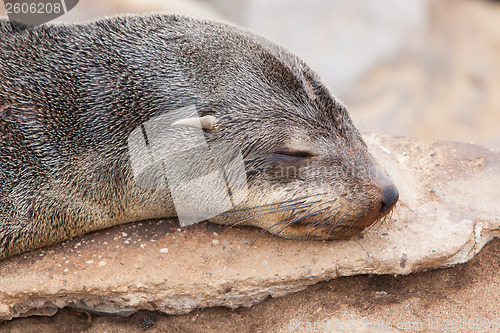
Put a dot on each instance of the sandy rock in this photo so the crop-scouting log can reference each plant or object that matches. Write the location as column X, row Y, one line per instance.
column 448, row 210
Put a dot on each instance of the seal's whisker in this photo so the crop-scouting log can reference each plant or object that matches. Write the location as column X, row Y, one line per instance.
column 245, row 210
column 255, row 209
column 354, row 221
column 279, row 222
column 340, row 221
column 239, row 221
column 325, row 220
column 251, row 210
column 383, row 220
column 318, row 224
column 327, row 202
column 334, row 211
column 291, row 208
column 296, row 220
column 377, row 224
column 311, row 214
column 317, row 212
column 277, row 203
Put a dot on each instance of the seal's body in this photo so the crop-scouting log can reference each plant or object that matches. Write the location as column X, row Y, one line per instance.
column 71, row 95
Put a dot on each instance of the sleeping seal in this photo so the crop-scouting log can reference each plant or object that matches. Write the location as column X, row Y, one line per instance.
column 81, row 107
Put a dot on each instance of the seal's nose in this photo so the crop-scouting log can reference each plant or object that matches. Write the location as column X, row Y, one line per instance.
column 391, row 196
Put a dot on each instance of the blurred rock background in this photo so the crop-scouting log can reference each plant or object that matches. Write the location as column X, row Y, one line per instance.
column 423, row 68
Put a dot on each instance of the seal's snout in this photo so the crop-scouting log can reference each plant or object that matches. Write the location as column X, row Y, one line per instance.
column 390, row 197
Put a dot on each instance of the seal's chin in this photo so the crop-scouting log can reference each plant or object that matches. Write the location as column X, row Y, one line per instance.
column 330, row 231
column 314, row 217
column 324, row 233
column 317, row 229
column 324, row 227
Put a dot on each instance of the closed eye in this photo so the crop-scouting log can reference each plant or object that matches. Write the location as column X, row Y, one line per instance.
column 292, row 155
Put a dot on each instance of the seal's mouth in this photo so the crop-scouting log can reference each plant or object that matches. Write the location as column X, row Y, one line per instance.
column 312, row 217
column 329, row 226
column 334, row 228
column 326, row 227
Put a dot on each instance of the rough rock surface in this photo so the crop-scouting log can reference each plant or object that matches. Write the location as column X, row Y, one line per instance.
column 448, row 210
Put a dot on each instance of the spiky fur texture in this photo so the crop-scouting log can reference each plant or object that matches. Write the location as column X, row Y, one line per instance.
column 70, row 95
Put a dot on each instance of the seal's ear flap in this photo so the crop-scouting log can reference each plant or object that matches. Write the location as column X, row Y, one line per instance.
column 204, row 123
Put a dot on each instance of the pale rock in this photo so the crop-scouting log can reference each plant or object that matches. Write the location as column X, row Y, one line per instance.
column 448, row 210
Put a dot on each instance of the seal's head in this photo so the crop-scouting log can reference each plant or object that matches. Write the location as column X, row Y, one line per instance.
column 309, row 171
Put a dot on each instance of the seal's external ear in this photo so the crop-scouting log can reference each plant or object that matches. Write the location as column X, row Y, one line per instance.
column 205, row 123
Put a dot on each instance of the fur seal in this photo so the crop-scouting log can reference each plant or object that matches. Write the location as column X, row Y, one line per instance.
column 72, row 95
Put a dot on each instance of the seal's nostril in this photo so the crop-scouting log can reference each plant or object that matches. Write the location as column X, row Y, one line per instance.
column 391, row 196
